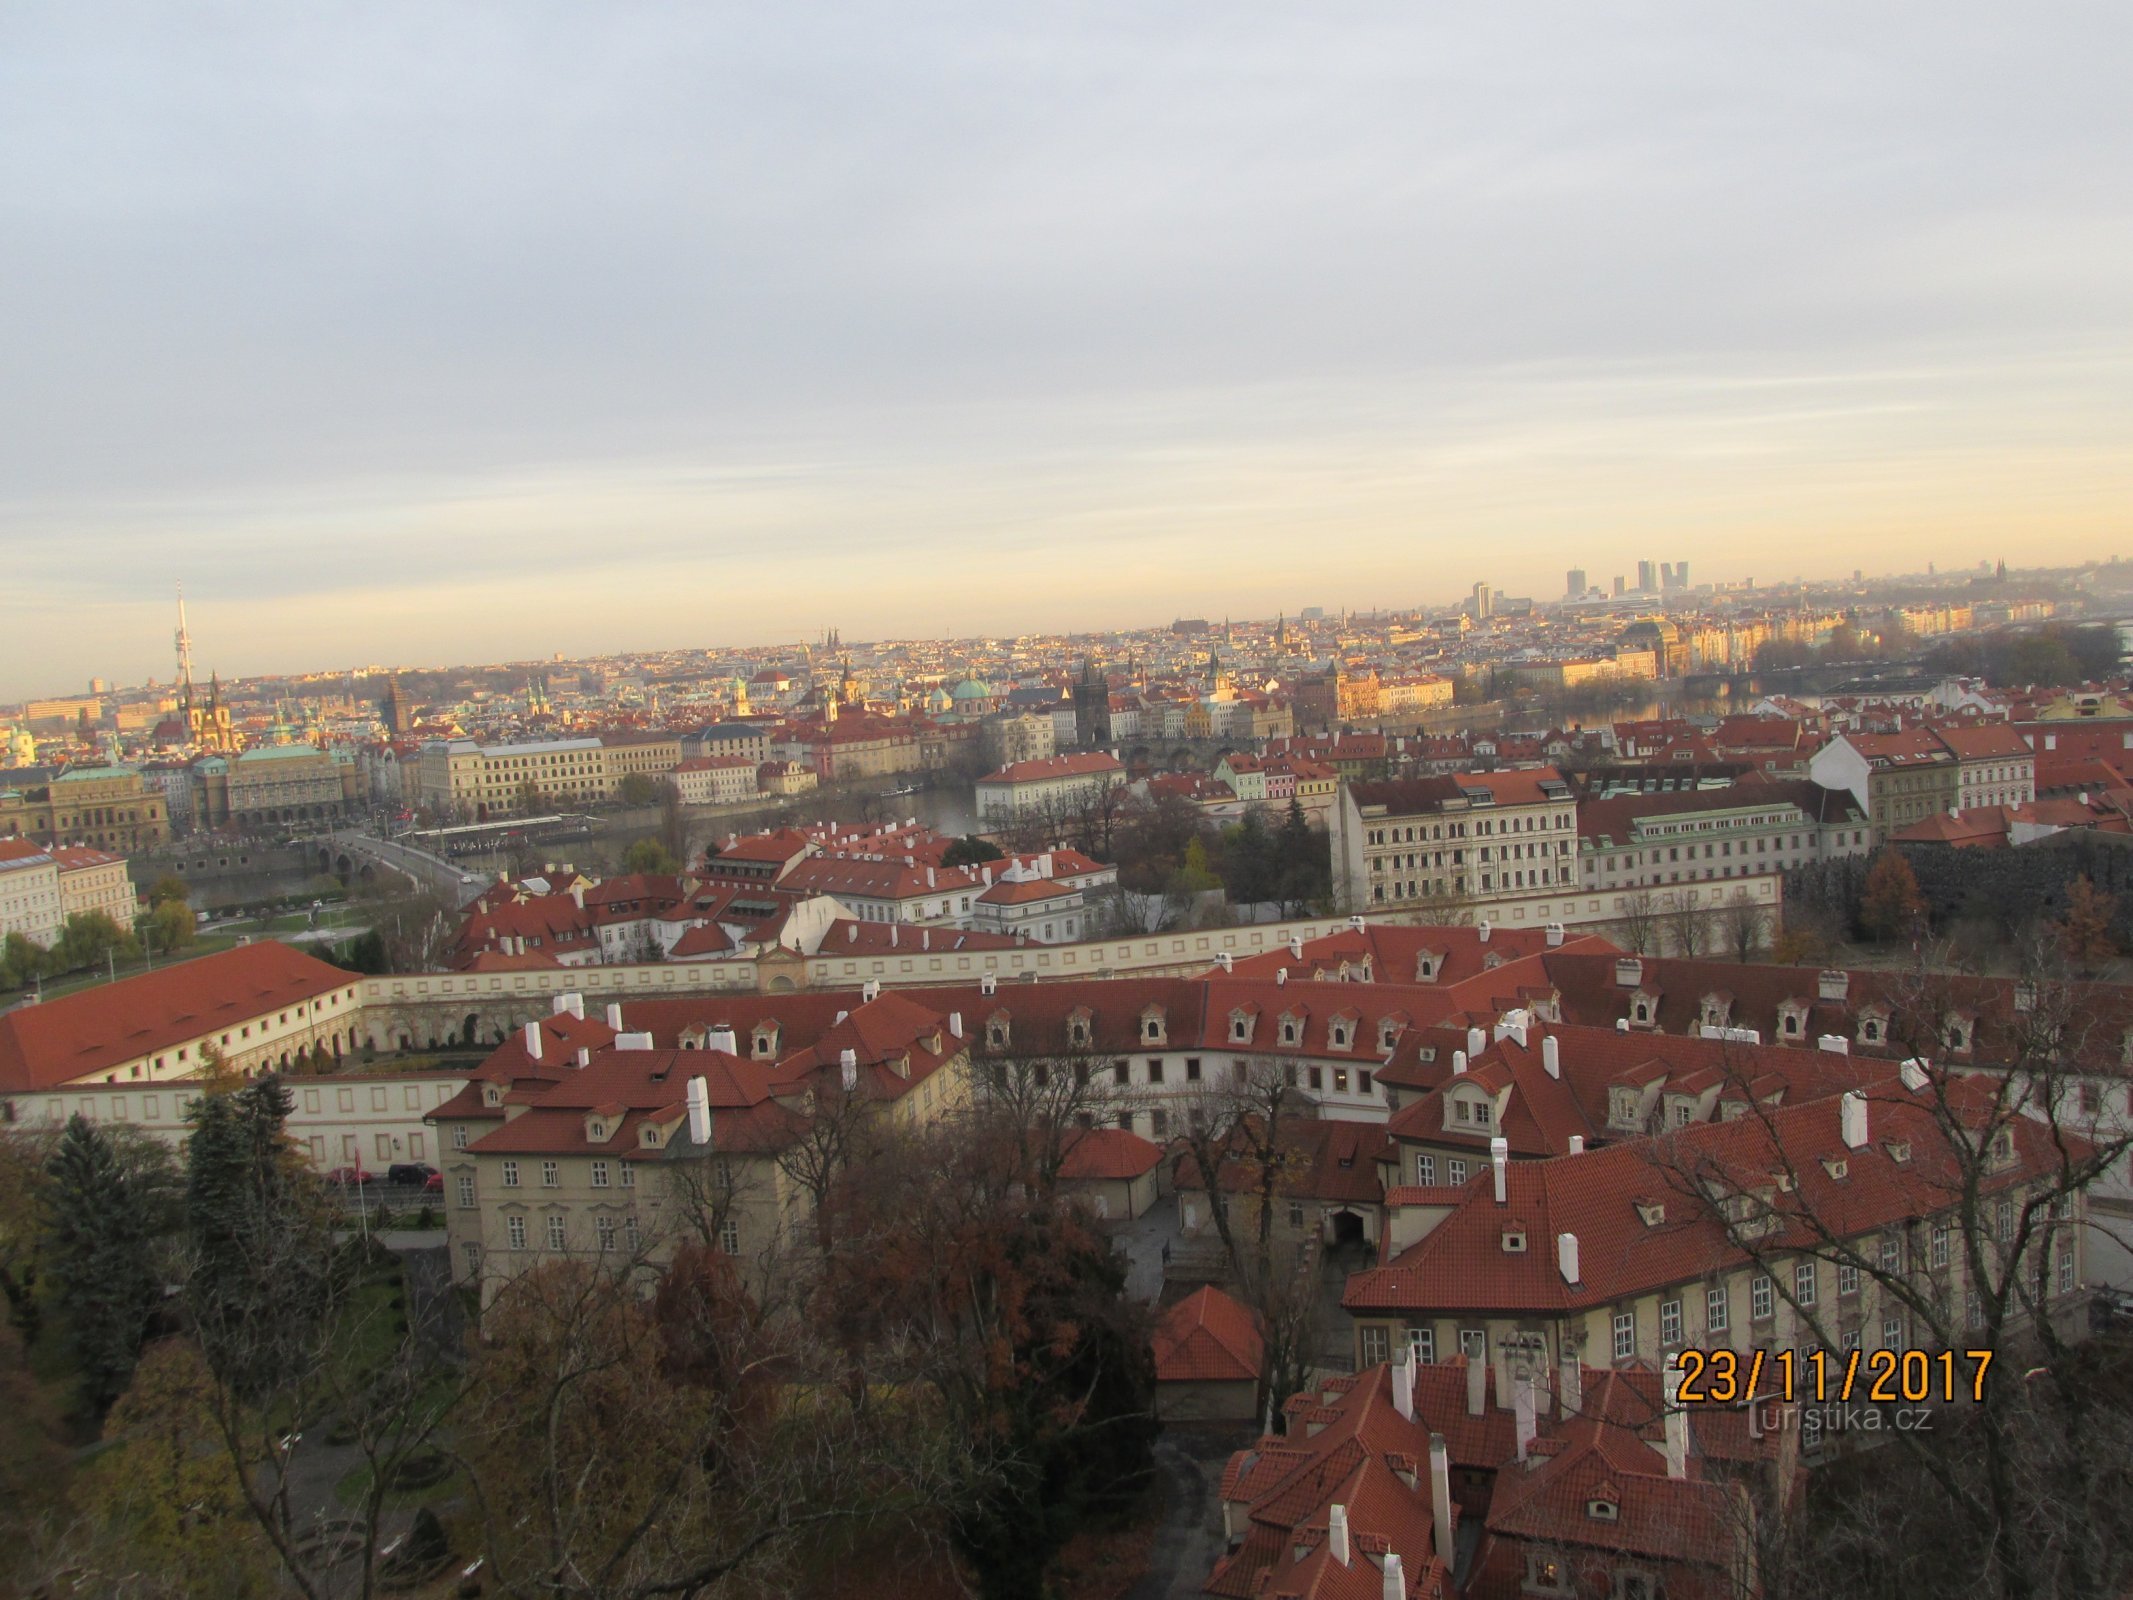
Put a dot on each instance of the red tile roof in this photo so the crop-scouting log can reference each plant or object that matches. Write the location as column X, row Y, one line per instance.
column 97, row 1030
column 1208, row 1337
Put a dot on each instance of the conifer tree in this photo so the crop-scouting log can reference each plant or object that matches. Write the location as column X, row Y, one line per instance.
column 99, row 1252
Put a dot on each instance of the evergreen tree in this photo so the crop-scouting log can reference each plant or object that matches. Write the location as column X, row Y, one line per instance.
column 260, row 1246
column 100, row 1254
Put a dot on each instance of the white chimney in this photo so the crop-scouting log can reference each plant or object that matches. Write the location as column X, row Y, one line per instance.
column 929, row 879
column 1629, row 972
column 1914, row 1075
column 722, row 1038
column 533, row 1040
column 1337, row 1532
column 1677, row 1426
column 1851, row 1118
column 1440, row 1496
column 1477, row 1385
column 1835, row 1043
column 558, row 1004
column 870, row 991
column 584, row 1058
column 1577, row 1144
column 1403, row 1385
column 575, row 1003
column 1570, row 1385
column 1566, row 1256
column 1621, row 1024
column 1499, row 1159
column 1523, row 1410
column 614, row 1015
column 1834, row 984
column 1281, row 976
column 988, row 983
column 1356, row 922
column 1296, row 947
column 1476, row 1042
column 633, row 1041
column 1485, row 931
column 848, row 1061
column 1226, row 961
column 1458, row 1062
column 577, row 895
column 1551, row 1057
column 1555, row 933
column 955, row 1024
column 699, row 1114
column 1395, row 1577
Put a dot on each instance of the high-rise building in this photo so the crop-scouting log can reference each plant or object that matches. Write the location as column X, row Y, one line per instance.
column 1621, row 586
column 1484, row 602
column 1647, row 577
column 1574, row 585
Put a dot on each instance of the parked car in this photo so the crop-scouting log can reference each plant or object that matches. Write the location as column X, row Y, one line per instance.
column 350, row 1177
column 414, row 1175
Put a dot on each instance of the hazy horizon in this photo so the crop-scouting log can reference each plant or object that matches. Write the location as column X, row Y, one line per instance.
column 424, row 334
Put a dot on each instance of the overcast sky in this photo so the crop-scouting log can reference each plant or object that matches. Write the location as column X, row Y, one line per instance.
column 431, row 333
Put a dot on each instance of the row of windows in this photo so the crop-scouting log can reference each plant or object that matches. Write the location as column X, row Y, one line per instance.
column 600, row 1172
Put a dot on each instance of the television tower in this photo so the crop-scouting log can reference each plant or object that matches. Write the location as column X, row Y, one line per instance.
column 185, row 643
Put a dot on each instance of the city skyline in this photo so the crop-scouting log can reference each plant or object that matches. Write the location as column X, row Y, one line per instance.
column 436, row 335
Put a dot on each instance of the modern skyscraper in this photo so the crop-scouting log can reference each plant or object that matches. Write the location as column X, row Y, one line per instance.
column 1484, row 602
column 1574, row 584
column 1647, row 577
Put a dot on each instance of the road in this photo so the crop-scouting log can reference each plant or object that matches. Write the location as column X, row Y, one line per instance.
column 424, row 868
column 1189, row 1463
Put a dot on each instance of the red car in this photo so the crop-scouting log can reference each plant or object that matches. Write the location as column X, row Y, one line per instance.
column 350, row 1177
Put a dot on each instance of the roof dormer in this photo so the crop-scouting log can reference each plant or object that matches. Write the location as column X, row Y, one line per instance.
column 1792, row 1019
column 1644, row 1008
column 1389, row 1031
column 1080, row 1027
column 1242, row 1019
column 1428, row 963
column 1716, row 1010
column 1874, row 1024
column 998, row 1033
column 763, row 1041
column 1292, row 1027
column 1154, row 1028
column 1340, row 1030
column 1958, row 1030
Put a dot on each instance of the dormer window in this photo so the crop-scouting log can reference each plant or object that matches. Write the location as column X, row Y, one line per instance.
column 996, row 1033
column 596, row 1132
column 2002, row 1149
column 1426, row 965
column 1651, row 1212
column 1240, row 1027
column 1872, row 1029
column 1603, row 1510
column 1152, row 1026
column 1837, row 1167
column 1078, row 1031
column 1514, row 1241
column 1337, row 1035
column 763, row 1043
column 491, row 1095
column 1291, row 1030
column 1789, row 1024
column 1956, row 1034
column 1388, row 1035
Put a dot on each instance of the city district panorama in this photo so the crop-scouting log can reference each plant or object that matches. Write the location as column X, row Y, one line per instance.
column 1621, row 1093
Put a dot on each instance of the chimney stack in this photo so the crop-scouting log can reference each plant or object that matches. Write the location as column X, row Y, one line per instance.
column 1914, row 1075
column 955, row 1024
column 1440, row 1497
column 1476, row 1042
column 533, row 1040
column 1499, row 1159
column 1577, row 1144
column 1570, row 1386
column 870, row 991
column 699, row 1114
column 1226, row 961
column 1485, row 930
column 1296, row 947
column 584, row 1058
column 633, row 1041
column 848, row 1062
column 1851, row 1112
column 614, row 1015
column 574, row 1003
column 1566, row 1256
column 1551, row 1057
column 1458, row 1062
column 1281, row 977
column 722, row 1038
column 1337, row 1532
column 1477, row 1385
column 1403, row 1385
column 1395, row 1577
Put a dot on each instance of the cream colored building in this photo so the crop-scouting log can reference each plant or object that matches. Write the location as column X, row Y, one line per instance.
column 95, row 880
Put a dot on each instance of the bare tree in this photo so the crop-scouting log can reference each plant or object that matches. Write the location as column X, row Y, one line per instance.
column 1687, row 927
column 1241, row 1142
column 1744, row 925
column 1638, row 925
column 2003, row 1158
column 1045, row 1100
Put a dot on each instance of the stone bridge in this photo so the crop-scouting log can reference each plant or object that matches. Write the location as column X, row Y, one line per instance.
column 360, row 856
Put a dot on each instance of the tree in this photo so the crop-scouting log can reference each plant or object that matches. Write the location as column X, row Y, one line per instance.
column 1244, row 1149
column 22, row 962
column 2085, row 930
column 1010, row 1314
column 649, row 855
column 169, row 889
column 1044, row 1101
column 1687, row 926
column 637, row 789
column 622, row 1446
column 100, row 1257
column 89, row 938
column 1999, row 1161
column 1744, row 925
column 971, row 851
column 415, row 927
column 1890, row 907
column 168, row 925
column 1637, row 928
column 673, row 822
